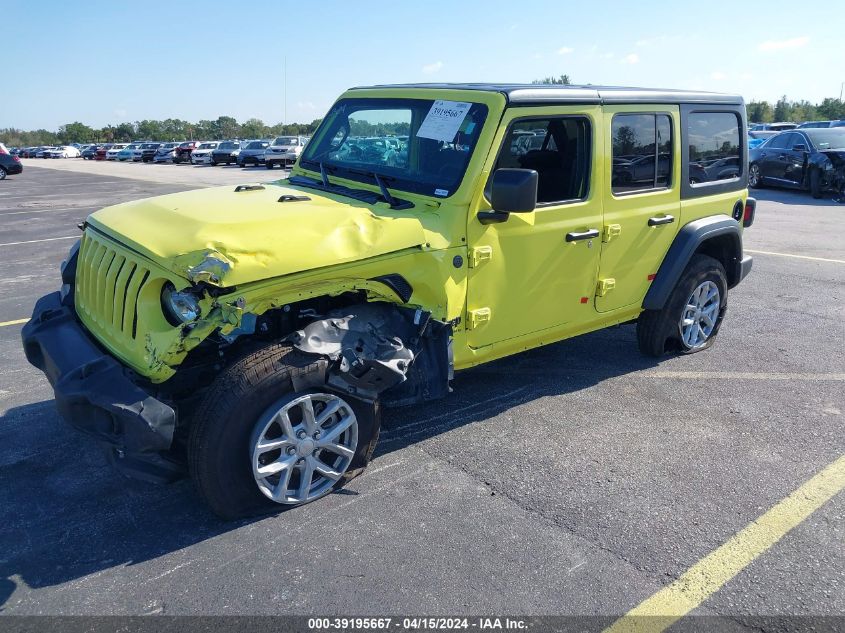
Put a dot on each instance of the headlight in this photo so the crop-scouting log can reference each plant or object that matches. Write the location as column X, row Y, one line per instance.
column 179, row 307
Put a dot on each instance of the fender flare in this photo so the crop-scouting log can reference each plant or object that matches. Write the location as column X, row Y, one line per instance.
column 687, row 242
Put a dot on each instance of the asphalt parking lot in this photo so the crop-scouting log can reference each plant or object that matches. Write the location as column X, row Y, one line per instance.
column 576, row 479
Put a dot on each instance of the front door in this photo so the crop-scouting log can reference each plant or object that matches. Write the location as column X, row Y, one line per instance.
column 642, row 203
column 537, row 271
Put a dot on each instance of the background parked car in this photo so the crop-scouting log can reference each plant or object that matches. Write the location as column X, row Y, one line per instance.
column 64, row 151
column 202, row 154
column 284, row 151
column 165, row 153
column 44, row 152
column 184, row 151
column 89, row 152
column 148, row 151
column 812, row 124
column 837, row 123
column 226, row 152
column 9, row 165
column 253, row 153
column 811, row 159
column 128, row 152
column 114, row 150
column 766, row 130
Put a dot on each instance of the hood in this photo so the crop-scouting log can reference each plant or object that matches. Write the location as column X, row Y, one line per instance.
column 228, row 238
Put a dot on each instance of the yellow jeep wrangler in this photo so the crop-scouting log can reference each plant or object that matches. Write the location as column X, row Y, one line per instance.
column 250, row 334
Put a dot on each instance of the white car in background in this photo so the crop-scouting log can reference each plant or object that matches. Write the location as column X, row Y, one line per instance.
column 64, row 151
column 284, row 150
column 114, row 150
column 202, row 154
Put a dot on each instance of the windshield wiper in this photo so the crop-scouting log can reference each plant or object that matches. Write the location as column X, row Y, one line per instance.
column 394, row 202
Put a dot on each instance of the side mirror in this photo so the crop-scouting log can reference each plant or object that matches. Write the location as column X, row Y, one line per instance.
column 511, row 191
column 800, row 147
column 514, row 190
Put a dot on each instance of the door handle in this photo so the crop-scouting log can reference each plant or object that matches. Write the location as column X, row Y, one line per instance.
column 585, row 235
column 783, row 157
column 666, row 219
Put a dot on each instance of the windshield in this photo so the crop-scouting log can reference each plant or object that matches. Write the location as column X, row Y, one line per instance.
column 131, row 147
column 257, row 145
column 207, row 146
column 286, row 140
column 417, row 145
column 830, row 138
column 228, row 145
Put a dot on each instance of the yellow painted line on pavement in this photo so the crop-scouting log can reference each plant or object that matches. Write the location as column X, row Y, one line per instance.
column 16, row 322
column 46, row 239
column 815, row 259
column 742, row 375
column 710, row 574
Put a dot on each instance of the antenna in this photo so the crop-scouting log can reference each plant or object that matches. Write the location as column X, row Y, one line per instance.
column 286, row 90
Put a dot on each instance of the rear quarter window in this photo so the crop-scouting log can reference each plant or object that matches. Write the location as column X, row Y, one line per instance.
column 713, row 151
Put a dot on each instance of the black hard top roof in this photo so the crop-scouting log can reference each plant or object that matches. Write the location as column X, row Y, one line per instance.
column 546, row 93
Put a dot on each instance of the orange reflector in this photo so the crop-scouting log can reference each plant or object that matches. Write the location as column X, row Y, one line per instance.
column 584, row 299
column 651, row 277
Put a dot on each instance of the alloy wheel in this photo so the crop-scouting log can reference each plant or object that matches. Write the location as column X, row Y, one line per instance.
column 302, row 445
column 700, row 315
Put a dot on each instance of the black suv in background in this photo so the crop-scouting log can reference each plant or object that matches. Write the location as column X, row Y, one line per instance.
column 9, row 165
column 227, row 152
column 148, row 151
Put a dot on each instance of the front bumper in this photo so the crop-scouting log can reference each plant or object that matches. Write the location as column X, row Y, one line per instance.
column 95, row 395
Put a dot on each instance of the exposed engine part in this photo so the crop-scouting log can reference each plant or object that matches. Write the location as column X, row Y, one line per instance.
column 375, row 347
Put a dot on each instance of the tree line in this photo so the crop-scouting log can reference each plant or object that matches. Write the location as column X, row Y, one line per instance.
column 167, row 130
column 796, row 111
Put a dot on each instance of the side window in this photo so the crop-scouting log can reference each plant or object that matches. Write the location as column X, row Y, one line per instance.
column 780, row 141
column 642, row 152
column 714, row 147
column 558, row 149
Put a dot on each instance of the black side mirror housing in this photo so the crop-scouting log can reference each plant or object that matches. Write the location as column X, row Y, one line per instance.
column 514, row 190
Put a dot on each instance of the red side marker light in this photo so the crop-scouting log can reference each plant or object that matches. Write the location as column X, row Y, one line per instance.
column 651, row 277
column 584, row 299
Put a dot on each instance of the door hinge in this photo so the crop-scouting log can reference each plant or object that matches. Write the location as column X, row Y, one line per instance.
column 477, row 317
column 605, row 286
column 611, row 231
column 479, row 255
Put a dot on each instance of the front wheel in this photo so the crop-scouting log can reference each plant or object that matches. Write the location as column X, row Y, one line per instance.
column 256, row 444
column 815, row 184
column 268, row 165
column 693, row 314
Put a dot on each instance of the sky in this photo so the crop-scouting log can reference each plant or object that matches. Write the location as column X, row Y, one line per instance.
column 106, row 61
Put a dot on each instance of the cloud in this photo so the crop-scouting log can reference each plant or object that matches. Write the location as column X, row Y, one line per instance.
column 430, row 69
column 120, row 113
column 565, row 50
column 630, row 58
column 607, row 56
column 718, row 75
column 306, row 105
column 779, row 45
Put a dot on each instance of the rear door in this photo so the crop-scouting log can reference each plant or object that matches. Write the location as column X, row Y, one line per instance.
column 796, row 159
column 775, row 156
column 642, row 203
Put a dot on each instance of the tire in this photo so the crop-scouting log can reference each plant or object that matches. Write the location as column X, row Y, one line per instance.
column 815, row 184
column 754, row 177
column 229, row 420
column 661, row 331
column 214, row 163
column 268, row 165
column 2, row 174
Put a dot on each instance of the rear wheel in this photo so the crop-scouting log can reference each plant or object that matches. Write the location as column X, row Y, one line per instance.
column 2, row 173
column 754, row 177
column 268, row 165
column 692, row 316
column 256, row 444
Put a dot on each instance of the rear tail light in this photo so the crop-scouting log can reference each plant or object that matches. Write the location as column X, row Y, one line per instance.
column 748, row 213
column 16, row 159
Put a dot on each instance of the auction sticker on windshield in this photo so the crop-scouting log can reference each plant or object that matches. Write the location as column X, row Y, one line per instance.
column 443, row 120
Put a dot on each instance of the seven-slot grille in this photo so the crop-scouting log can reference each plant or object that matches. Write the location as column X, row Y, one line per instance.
column 107, row 287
